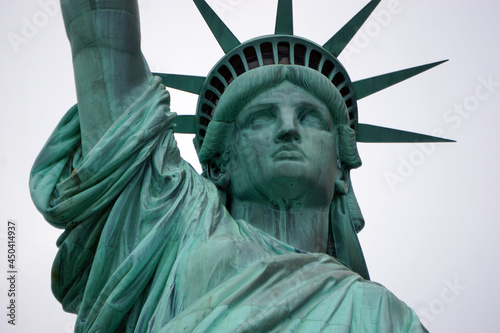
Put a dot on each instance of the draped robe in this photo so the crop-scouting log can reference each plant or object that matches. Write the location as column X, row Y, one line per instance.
column 148, row 247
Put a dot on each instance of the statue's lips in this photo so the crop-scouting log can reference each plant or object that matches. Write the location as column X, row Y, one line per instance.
column 288, row 152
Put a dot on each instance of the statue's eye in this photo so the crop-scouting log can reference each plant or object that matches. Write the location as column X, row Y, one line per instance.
column 311, row 117
column 260, row 117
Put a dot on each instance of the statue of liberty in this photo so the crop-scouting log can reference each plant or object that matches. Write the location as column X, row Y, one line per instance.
column 265, row 239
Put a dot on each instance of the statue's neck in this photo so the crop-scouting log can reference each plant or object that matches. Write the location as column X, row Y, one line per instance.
column 303, row 228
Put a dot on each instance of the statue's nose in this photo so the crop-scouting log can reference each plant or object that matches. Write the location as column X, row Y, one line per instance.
column 288, row 128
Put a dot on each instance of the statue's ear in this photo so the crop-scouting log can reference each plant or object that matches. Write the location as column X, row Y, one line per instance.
column 342, row 182
column 218, row 175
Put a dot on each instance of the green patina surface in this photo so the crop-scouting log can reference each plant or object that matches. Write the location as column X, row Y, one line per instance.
column 265, row 241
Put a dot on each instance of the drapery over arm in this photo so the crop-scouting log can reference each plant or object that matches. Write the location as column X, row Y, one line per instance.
column 128, row 207
column 78, row 193
column 68, row 188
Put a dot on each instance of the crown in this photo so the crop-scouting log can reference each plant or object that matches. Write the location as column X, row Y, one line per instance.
column 285, row 48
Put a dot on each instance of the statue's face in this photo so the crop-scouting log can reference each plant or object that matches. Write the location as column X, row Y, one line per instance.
column 284, row 149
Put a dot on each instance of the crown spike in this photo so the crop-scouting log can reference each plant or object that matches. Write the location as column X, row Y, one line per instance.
column 339, row 41
column 224, row 36
column 186, row 83
column 372, row 133
column 284, row 18
column 375, row 84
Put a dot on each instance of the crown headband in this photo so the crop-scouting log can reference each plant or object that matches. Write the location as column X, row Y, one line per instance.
column 285, row 48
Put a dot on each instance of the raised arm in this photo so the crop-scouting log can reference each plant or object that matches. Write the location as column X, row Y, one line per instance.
column 110, row 70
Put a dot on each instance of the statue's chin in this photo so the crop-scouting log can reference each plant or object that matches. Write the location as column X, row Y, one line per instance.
column 299, row 192
column 286, row 182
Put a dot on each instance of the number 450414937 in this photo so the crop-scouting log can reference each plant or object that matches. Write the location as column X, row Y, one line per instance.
column 11, row 244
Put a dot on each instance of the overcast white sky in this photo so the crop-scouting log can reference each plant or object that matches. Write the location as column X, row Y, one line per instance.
column 431, row 211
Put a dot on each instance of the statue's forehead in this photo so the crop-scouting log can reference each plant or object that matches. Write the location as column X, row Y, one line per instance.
column 284, row 95
column 283, row 92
